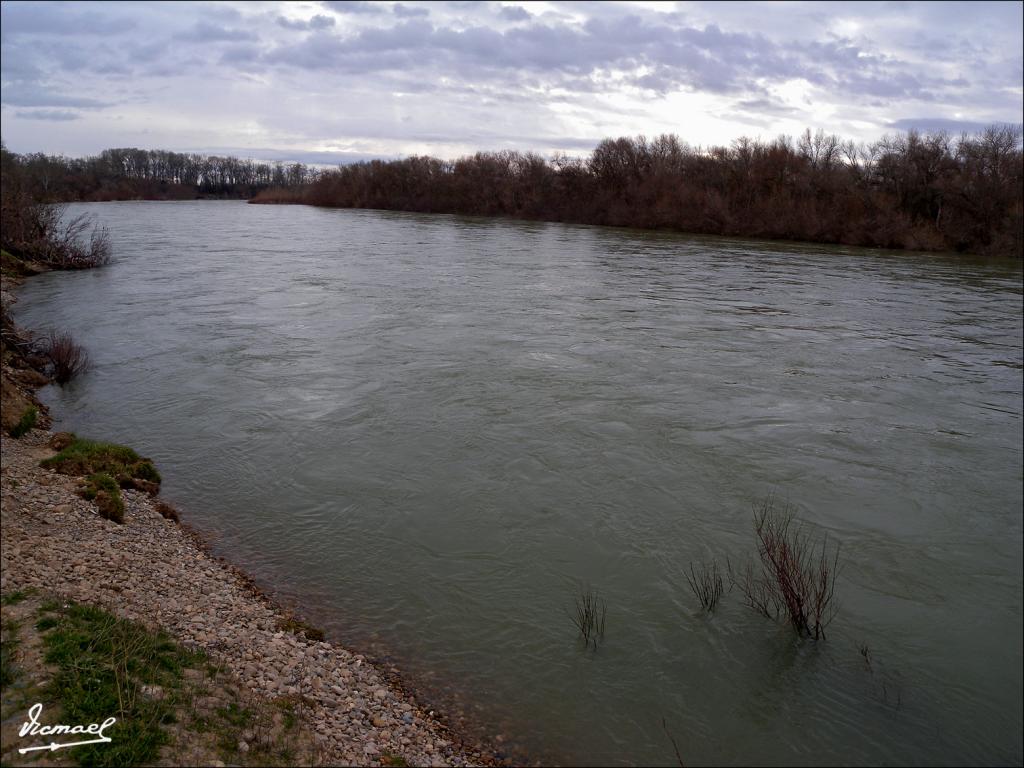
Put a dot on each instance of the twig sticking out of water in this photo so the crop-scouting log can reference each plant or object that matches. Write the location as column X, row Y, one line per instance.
column 675, row 746
column 706, row 584
column 588, row 616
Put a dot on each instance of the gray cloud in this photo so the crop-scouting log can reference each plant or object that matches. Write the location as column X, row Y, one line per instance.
column 407, row 11
column 354, row 7
column 317, row 22
column 764, row 106
column 241, row 54
column 62, row 19
column 205, row 32
column 706, row 59
column 20, row 96
column 514, row 13
column 59, row 115
column 940, row 124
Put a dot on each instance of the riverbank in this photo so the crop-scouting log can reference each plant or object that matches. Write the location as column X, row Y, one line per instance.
column 155, row 572
column 150, row 570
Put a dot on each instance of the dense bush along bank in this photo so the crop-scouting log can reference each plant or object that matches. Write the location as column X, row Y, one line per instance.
column 926, row 192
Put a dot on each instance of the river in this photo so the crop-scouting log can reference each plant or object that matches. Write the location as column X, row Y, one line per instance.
column 430, row 432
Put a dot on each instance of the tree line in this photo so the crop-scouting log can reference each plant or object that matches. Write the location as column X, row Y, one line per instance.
column 148, row 174
column 927, row 191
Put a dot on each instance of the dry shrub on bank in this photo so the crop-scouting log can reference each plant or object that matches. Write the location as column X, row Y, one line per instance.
column 37, row 231
column 73, row 250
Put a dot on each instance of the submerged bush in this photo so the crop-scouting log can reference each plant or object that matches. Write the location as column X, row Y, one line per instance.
column 797, row 577
column 66, row 357
column 86, row 457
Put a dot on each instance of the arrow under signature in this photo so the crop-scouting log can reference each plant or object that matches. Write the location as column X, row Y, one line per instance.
column 53, row 747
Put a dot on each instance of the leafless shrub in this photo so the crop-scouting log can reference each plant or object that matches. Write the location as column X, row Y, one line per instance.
column 796, row 576
column 589, row 615
column 757, row 592
column 706, row 584
column 42, row 233
column 79, row 244
column 67, row 358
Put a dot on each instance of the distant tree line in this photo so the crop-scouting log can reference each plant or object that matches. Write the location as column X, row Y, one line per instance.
column 149, row 174
column 913, row 190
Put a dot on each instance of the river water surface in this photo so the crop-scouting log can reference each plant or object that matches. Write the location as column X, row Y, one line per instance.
column 430, row 431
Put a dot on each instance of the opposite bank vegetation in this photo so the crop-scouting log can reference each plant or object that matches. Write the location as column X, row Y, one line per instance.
column 919, row 191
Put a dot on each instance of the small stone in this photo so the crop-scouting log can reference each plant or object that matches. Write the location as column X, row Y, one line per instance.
column 380, row 694
column 243, row 747
column 370, row 748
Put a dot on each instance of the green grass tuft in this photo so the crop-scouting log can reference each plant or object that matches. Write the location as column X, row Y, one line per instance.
column 8, row 671
column 13, row 598
column 102, row 489
column 27, row 421
column 89, row 457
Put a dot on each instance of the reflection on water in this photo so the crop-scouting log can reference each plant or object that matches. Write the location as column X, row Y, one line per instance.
column 427, row 430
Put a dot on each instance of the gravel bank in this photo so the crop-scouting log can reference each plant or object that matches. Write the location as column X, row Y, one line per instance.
column 154, row 571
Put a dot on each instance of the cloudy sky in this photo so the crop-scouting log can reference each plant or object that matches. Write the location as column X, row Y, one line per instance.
column 329, row 81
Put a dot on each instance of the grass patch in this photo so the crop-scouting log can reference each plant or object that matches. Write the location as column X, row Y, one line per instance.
column 11, row 265
column 395, row 761
column 90, row 457
column 8, row 671
column 234, row 715
column 13, row 598
column 102, row 664
column 26, row 422
column 104, row 491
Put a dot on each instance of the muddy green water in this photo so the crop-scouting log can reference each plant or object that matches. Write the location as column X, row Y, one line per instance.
column 428, row 430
